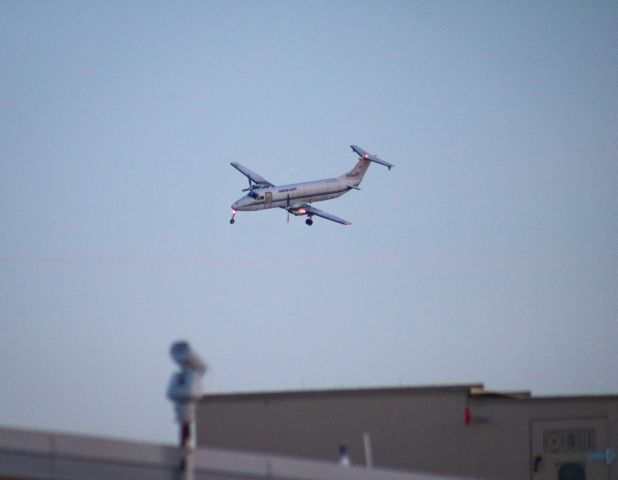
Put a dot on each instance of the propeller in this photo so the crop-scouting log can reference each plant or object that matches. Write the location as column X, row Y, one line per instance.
column 288, row 209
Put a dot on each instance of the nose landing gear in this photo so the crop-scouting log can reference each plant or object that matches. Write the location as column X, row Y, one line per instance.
column 233, row 215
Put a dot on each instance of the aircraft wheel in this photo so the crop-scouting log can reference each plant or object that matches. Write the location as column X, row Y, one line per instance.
column 309, row 222
column 232, row 221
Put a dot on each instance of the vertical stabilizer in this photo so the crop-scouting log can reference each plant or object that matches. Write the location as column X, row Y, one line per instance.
column 355, row 176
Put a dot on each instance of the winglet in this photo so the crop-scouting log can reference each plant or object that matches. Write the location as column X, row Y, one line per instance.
column 371, row 157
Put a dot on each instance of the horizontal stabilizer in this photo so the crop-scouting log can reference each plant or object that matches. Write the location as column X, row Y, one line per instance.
column 370, row 156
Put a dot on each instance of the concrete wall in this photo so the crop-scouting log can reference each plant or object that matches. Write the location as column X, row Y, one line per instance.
column 38, row 455
column 414, row 429
column 409, row 428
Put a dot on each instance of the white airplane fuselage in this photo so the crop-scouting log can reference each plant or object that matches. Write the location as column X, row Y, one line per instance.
column 293, row 194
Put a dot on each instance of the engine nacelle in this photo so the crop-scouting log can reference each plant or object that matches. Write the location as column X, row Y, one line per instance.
column 298, row 211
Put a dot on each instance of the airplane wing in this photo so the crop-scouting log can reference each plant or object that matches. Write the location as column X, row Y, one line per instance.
column 251, row 175
column 311, row 210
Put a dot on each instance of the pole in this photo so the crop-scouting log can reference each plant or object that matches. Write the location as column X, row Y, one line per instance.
column 186, row 445
column 368, row 454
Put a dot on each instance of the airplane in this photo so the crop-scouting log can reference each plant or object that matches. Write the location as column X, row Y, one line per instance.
column 296, row 198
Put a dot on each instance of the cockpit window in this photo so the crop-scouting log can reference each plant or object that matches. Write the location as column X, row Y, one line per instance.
column 253, row 195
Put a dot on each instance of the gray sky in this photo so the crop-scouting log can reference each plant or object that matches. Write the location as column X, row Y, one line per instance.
column 489, row 253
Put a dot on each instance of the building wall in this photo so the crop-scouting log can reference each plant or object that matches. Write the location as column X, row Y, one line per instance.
column 408, row 429
column 512, row 433
column 419, row 429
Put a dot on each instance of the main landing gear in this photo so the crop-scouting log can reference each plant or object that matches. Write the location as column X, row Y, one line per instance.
column 309, row 221
column 233, row 215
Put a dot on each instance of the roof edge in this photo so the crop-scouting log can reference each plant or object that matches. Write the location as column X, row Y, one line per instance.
column 366, row 391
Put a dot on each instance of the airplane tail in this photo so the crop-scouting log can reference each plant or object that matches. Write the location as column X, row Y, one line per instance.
column 355, row 176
